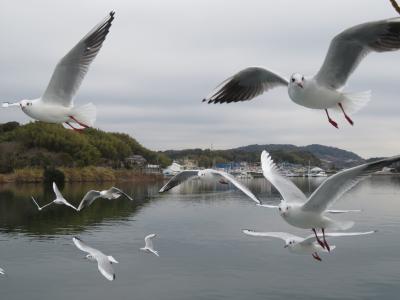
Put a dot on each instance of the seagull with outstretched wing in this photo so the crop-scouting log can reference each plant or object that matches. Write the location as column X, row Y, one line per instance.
column 110, row 194
column 103, row 261
column 310, row 213
column 56, row 104
column 207, row 173
column 60, row 200
column 307, row 245
column 323, row 90
column 149, row 247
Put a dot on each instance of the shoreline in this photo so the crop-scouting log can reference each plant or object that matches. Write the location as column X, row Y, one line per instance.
column 82, row 175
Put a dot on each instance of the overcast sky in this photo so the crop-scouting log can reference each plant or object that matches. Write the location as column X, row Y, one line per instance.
column 162, row 57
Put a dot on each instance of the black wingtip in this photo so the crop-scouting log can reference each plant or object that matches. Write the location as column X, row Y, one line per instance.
column 75, row 237
column 112, row 13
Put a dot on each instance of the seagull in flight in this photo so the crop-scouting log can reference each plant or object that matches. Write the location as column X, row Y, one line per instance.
column 324, row 89
column 307, row 245
column 59, row 199
column 56, row 104
column 206, row 174
column 103, row 261
column 110, row 194
column 309, row 213
column 149, row 244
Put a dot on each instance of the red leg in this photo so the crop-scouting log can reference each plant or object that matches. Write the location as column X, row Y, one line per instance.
column 318, row 240
column 330, row 120
column 75, row 129
column 325, row 242
column 316, row 256
column 75, row 120
column 345, row 115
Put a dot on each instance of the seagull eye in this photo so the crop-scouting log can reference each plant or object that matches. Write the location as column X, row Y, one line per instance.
column 302, row 78
column 279, row 209
column 293, row 79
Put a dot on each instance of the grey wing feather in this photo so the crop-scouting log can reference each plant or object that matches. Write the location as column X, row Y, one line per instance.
column 236, row 183
column 335, row 186
column 246, row 85
column 288, row 190
column 72, row 68
column 311, row 238
column 88, row 199
column 348, row 48
column 117, row 190
column 178, row 179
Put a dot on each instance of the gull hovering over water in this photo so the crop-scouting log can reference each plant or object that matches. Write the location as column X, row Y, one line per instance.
column 209, row 174
column 56, row 104
column 307, row 245
column 103, row 261
column 59, row 199
column 323, row 90
column 110, row 194
column 309, row 213
column 149, row 244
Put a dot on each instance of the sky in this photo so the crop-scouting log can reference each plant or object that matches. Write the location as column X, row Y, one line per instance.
column 161, row 58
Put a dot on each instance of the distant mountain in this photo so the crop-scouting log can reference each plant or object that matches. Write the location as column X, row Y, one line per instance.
column 317, row 155
column 327, row 155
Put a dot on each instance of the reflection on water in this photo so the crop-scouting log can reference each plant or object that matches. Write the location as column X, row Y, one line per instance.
column 18, row 213
column 204, row 255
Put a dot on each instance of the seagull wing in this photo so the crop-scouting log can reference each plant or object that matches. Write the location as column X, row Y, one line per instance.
column 311, row 238
column 288, row 190
column 236, row 183
column 148, row 240
column 83, row 246
column 178, row 179
column 117, row 190
column 342, row 211
column 2, row 271
column 335, row 186
column 57, row 191
column 280, row 235
column 105, row 267
column 40, row 208
column 246, row 85
column 88, row 199
column 348, row 48
column 72, row 68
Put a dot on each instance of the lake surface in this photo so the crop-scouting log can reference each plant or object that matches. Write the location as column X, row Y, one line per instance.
column 203, row 253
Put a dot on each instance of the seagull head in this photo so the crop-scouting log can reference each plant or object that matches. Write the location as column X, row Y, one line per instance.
column 289, row 243
column 297, row 80
column 25, row 103
column 284, row 208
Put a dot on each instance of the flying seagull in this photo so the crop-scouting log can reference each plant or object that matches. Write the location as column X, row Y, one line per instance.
column 207, row 173
column 323, row 90
column 309, row 213
column 56, row 104
column 110, row 194
column 300, row 245
column 59, row 199
column 103, row 261
column 149, row 244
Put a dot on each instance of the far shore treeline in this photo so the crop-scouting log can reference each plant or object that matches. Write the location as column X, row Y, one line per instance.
column 30, row 152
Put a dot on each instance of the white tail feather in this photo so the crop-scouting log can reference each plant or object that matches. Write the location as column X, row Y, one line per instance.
column 85, row 114
column 353, row 102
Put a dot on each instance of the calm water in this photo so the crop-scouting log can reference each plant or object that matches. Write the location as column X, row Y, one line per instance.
column 204, row 255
